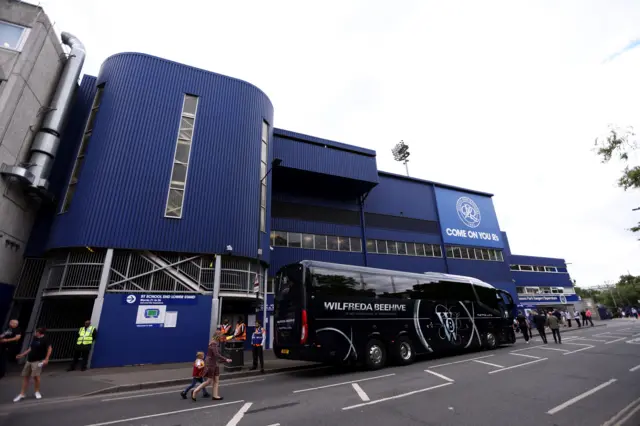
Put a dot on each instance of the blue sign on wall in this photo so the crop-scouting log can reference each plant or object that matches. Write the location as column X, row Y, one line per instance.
column 549, row 299
column 467, row 219
column 159, row 299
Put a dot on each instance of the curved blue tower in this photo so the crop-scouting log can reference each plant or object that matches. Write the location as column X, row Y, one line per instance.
column 171, row 161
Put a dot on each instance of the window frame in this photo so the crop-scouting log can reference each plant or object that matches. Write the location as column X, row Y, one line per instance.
column 23, row 36
column 264, row 190
column 180, row 140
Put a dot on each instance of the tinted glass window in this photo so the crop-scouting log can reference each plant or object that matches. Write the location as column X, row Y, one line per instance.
column 320, row 242
column 355, row 244
column 295, row 240
column 391, row 247
column 487, row 296
column 377, row 285
column 289, row 292
column 371, row 246
column 307, row 241
column 402, row 247
column 437, row 251
column 382, row 246
column 343, row 244
column 411, row 249
column 328, row 282
column 332, row 243
column 420, row 249
column 280, row 239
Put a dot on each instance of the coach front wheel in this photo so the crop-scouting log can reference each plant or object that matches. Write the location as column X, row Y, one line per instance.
column 375, row 356
column 490, row 340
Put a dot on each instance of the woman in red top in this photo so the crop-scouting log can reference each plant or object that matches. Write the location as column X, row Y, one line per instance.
column 211, row 368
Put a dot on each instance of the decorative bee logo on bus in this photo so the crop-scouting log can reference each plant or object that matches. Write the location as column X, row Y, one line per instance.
column 450, row 325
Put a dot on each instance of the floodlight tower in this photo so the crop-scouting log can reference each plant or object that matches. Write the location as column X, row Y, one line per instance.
column 401, row 153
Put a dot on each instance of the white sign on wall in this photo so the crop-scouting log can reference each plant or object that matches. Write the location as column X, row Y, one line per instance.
column 151, row 315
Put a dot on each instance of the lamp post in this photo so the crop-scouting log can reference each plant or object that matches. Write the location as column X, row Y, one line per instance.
column 401, row 153
column 274, row 163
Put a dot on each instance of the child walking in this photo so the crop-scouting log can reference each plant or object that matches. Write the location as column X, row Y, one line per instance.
column 197, row 376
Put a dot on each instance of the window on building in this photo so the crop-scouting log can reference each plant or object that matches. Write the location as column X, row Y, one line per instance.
column 82, row 150
column 550, row 269
column 520, row 290
column 264, row 154
column 180, row 167
column 315, row 242
column 456, row 252
column 403, row 248
column 12, row 36
column 527, row 268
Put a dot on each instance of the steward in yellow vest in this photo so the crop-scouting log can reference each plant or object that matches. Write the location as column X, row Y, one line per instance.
column 86, row 336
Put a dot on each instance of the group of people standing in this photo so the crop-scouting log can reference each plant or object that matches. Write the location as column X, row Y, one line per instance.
column 206, row 369
column 552, row 319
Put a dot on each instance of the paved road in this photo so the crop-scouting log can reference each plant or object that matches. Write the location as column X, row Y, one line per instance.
column 591, row 379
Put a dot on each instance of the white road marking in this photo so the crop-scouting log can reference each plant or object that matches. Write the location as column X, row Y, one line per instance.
column 275, row 424
column 577, row 344
column 168, row 413
column 553, row 349
column 402, row 395
column 527, row 349
column 361, row 393
column 459, row 362
column 616, row 421
column 519, row 365
column 580, row 397
column 488, row 363
column 240, row 414
column 593, row 340
column 344, row 383
column 637, row 367
column 578, row 350
column 222, row 384
column 439, row 375
column 617, row 340
column 528, row 356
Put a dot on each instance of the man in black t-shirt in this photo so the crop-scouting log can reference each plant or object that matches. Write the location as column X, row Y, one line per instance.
column 38, row 356
column 9, row 340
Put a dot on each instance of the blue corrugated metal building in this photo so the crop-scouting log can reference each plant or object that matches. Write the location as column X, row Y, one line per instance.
column 172, row 178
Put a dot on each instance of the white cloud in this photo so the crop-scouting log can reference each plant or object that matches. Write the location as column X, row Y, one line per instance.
column 496, row 95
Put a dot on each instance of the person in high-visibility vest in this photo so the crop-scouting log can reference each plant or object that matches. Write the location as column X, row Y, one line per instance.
column 86, row 336
column 257, row 345
column 241, row 331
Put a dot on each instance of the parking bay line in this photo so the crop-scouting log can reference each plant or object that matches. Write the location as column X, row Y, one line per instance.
column 439, row 375
column 361, row 393
column 615, row 420
column 175, row 390
column 578, row 350
column 402, row 395
column 553, row 349
column 488, row 363
column 593, row 340
column 240, row 414
column 518, row 365
column 580, row 397
column 459, row 362
column 637, row 367
column 528, row 356
column 168, row 413
column 344, row 383
column 617, row 340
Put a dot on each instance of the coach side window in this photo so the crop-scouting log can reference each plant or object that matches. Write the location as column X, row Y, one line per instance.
column 376, row 285
column 328, row 282
column 488, row 297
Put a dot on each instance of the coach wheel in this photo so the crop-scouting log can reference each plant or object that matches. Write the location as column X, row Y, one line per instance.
column 375, row 356
column 404, row 352
column 490, row 341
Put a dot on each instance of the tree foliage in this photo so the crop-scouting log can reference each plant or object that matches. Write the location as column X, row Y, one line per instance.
column 624, row 293
column 620, row 142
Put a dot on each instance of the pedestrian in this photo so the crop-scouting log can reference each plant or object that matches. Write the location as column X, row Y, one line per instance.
column 554, row 325
column 38, row 356
column 241, row 331
column 587, row 317
column 86, row 336
column 576, row 316
column 257, row 342
column 634, row 313
column 211, row 368
column 567, row 315
column 540, row 321
column 524, row 328
column 196, row 376
column 9, row 340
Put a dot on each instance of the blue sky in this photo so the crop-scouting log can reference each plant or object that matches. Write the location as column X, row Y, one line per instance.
column 500, row 96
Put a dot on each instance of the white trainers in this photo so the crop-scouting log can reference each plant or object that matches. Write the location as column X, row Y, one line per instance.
column 18, row 398
column 38, row 395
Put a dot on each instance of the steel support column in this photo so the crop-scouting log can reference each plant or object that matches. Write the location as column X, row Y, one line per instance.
column 37, row 307
column 215, row 301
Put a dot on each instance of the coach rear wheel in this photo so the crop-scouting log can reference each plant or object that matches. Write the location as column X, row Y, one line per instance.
column 403, row 351
column 490, row 341
column 375, row 356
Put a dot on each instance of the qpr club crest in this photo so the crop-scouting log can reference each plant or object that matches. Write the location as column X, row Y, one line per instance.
column 468, row 212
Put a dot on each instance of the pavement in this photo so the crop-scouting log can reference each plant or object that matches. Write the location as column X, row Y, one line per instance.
column 592, row 378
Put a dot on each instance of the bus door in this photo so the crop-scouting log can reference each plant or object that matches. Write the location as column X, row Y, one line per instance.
column 506, row 304
column 289, row 301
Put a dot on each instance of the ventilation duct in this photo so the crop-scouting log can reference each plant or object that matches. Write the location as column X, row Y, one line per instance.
column 34, row 174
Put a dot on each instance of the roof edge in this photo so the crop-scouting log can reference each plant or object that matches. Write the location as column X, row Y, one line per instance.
column 438, row 184
column 301, row 137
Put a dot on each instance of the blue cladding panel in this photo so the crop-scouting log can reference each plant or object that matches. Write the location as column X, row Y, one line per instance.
column 535, row 279
column 401, row 197
column 507, row 248
column 63, row 164
column 517, row 259
column 468, row 219
column 412, row 237
column 282, row 256
column 121, row 195
column 320, row 141
column 329, row 161
column 491, row 272
column 406, row 263
column 321, row 228
column 315, row 201
column 150, row 345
